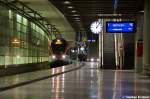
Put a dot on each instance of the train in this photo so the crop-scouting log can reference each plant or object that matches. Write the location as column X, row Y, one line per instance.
column 59, row 47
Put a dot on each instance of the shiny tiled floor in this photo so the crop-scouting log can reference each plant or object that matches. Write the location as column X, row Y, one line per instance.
column 85, row 83
column 30, row 76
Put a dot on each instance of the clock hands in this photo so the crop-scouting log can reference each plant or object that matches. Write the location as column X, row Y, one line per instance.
column 98, row 24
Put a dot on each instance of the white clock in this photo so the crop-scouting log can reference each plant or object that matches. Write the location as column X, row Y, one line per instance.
column 96, row 27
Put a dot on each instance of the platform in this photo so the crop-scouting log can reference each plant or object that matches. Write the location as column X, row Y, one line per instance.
column 88, row 82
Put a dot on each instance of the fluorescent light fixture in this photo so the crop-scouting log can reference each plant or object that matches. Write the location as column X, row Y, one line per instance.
column 76, row 15
column 109, row 14
column 142, row 11
column 77, row 18
column 74, row 11
column 67, row 2
column 70, row 7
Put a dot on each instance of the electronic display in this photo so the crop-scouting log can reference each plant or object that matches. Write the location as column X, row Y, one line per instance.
column 120, row 27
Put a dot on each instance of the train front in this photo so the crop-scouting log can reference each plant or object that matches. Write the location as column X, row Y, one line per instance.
column 59, row 49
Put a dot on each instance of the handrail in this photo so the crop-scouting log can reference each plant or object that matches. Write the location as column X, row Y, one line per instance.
column 36, row 17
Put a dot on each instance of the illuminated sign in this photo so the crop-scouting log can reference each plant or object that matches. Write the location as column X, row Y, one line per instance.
column 120, row 27
column 58, row 42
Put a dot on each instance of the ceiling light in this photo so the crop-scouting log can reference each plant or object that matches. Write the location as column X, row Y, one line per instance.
column 76, row 15
column 67, row 2
column 142, row 11
column 70, row 7
column 74, row 11
column 77, row 18
column 109, row 14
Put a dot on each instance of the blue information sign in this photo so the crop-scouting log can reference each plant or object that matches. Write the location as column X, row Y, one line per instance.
column 120, row 27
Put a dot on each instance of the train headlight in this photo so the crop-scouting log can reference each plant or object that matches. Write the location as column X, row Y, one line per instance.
column 53, row 57
column 92, row 59
column 63, row 56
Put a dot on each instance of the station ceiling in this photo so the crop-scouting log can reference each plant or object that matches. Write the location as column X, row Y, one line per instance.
column 81, row 13
column 72, row 16
column 47, row 10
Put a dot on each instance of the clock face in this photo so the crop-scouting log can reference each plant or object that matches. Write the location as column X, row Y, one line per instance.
column 96, row 27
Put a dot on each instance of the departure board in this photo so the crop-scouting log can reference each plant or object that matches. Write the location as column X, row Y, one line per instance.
column 120, row 27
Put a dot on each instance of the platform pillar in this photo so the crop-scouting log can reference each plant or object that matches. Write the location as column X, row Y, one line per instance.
column 146, row 39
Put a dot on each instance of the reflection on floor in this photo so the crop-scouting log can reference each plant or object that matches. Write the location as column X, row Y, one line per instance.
column 86, row 83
